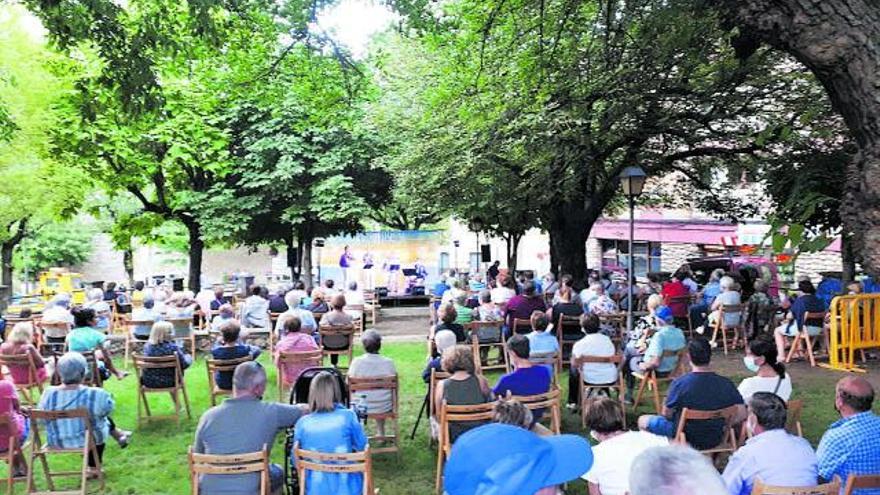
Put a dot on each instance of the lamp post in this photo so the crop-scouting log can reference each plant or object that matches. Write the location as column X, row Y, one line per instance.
column 476, row 225
column 455, row 243
column 632, row 179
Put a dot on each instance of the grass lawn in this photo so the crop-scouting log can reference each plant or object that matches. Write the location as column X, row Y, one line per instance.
column 155, row 463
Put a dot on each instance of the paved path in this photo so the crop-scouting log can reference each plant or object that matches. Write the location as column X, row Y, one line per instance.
column 403, row 324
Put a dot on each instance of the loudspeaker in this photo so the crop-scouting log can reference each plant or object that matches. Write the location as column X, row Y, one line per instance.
column 486, row 255
column 382, row 291
column 418, row 290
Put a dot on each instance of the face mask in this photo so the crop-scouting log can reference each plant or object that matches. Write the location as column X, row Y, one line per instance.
column 750, row 363
column 750, row 427
column 594, row 435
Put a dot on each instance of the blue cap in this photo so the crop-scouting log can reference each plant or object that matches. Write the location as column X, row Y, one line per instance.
column 663, row 313
column 501, row 459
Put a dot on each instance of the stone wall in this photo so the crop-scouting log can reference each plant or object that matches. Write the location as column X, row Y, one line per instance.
column 811, row 264
column 674, row 254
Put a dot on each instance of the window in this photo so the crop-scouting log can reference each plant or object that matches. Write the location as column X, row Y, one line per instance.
column 646, row 257
column 475, row 262
column 444, row 262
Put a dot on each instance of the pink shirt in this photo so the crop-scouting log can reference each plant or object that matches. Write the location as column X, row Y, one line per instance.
column 20, row 373
column 295, row 342
column 8, row 399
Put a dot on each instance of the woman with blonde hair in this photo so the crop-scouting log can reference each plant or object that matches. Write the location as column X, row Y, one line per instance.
column 319, row 304
column 161, row 344
column 330, row 428
column 20, row 342
column 463, row 388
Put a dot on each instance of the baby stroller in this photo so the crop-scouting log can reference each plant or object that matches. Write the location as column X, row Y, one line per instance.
column 300, row 395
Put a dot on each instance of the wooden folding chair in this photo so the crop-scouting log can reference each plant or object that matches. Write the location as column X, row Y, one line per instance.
column 345, row 331
column 359, row 323
column 519, row 324
column 451, row 414
column 478, row 328
column 832, row 488
column 183, row 330
column 26, row 389
column 566, row 337
column 579, row 362
column 436, row 377
column 93, row 378
column 51, row 337
column 221, row 366
column 131, row 340
column 722, row 327
column 389, row 383
column 41, row 451
column 230, row 464
column 549, row 402
column 616, row 320
column 14, row 449
column 143, row 365
column 854, row 482
column 803, row 337
column 355, row 462
column 793, row 417
column 650, row 379
column 311, row 358
column 547, row 359
column 728, row 440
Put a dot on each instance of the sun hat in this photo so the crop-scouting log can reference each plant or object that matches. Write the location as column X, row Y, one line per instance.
column 664, row 313
column 444, row 339
column 501, row 459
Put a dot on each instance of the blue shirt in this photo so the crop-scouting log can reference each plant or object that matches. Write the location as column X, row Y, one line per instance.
column 776, row 458
column 851, row 446
column 336, row 431
column 71, row 433
column 667, row 338
column 439, row 289
column 542, row 342
column 704, row 391
column 711, row 290
column 533, row 380
column 802, row 305
column 224, row 378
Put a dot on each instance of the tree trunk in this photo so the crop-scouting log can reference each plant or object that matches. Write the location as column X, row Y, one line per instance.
column 554, row 256
column 838, row 41
column 196, row 250
column 569, row 228
column 847, row 258
column 513, row 250
column 306, row 273
column 292, row 256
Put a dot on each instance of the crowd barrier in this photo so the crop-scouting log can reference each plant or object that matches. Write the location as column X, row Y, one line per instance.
column 855, row 326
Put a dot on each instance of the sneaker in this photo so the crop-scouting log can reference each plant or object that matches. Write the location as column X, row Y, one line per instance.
column 123, row 439
column 700, row 330
column 571, row 407
column 713, row 344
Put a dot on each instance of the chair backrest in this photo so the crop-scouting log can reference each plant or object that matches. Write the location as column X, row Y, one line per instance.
column 41, row 415
column 580, row 361
column 520, row 323
column 142, row 363
column 568, row 325
column 551, row 358
column 227, row 365
column 95, row 376
column 832, row 488
column 793, row 417
column 436, row 377
column 453, row 414
column 231, row 464
column 485, row 330
column 299, row 357
column 730, row 309
column 21, row 361
column 549, row 400
column 354, row 462
column 728, row 414
column 181, row 325
column 55, row 329
column 814, row 316
column 681, row 356
column 854, row 482
column 346, row 331
column 8, row 427
column 364, row 384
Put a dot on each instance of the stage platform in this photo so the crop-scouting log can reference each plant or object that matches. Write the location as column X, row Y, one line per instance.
column 397, row 300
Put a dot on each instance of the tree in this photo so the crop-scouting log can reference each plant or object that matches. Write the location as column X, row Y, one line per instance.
column 838, row 41
column 55, row 244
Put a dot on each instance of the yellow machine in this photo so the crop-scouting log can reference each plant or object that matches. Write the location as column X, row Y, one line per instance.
column 56, row 280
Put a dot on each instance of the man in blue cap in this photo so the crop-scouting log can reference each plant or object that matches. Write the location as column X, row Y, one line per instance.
column 667, row 337
column 501, row 459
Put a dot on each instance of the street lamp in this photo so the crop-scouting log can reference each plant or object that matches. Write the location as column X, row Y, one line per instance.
column 476, row 225
column 455, row 257
column 632, row 179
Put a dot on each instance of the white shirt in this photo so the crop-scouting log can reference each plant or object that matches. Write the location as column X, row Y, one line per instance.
column 599, row 345
column 613, row 457
column 753, row 384
column 57, row 314
column 354, row 297
column 371, row 366
column 501, row 295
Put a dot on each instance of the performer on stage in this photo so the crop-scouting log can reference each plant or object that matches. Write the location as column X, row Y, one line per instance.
column 392, row 267
column 345, row 264
column 369, row 283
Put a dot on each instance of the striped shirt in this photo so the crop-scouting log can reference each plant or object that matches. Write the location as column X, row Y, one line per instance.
column 70, row 433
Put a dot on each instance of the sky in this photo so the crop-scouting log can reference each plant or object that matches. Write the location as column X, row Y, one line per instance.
column 353, row 22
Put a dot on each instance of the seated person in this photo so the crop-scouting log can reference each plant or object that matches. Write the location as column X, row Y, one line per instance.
column 759, row 311
column 770, row 375
column 666, row 338
column 372, row 365
column 318, row 305
column 72, row 394
column 19, row 342
column 336, row 317
column 294, row 340
column 444, row 339
column 58, row 311
column 806, row 302
column 354, row 297
column 225, row 313
column 161, row 344
column 521, row 307
column 542, row 341
column 102, row 309
column 255, row 312
column 447, row 315
column 564, row 305
column 701, row 389
column 330, row 428
column 84, row 338
column 487, row 310
column 851, row 444
column 637, row 340
column 729, row 296
column 617, row 448
column 674, row 470
column 147, row 313
column 20, row 427
column 772, row 455
column 230, row 348
column 137, row 294
column 464, row 314
column 463, row 388
column 592, row 344
column 526, row 378
column 306, row 318
column 276, row 302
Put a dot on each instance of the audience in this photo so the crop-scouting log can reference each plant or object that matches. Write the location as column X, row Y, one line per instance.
column 293, row 341
column 712, row 288
column 487, row 310
column 242, row 424
column 675, row 289
column 219, row 299
column 617, row 448
column 503, row 291
column 354, row 297
column 72, row 394
column 463, row 314
column 306, row 318
column 674, row 470
column 701, row 389
column 770, row 375
column 20, row 342
column 84, row 338
column 600, row 304
column 225, row 313
column 146, row 313
column 58, row 310
column 806, row 302
column 102, row 309
column 563, row 305
column 318, row 305
column 137, row 294
column 526, row 378
column 277, row 303
column 463, row 388
column 230, row 348
column 373, row 365
column 337, row 317
column 851, row 445
column 523, row 305
column 447, row 315
column 728, row 296
column 20, row 427
column 666, row 338
column 637, row 339
column 330, row 428
column 542, row 341
column 508, row 459
column 592, row 344
column 444, row 339
column 759, row 311
column 771, row 454
column 255, row 312
column 161, row 344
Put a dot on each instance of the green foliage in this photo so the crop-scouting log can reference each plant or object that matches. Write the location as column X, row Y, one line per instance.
column 54, row 244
